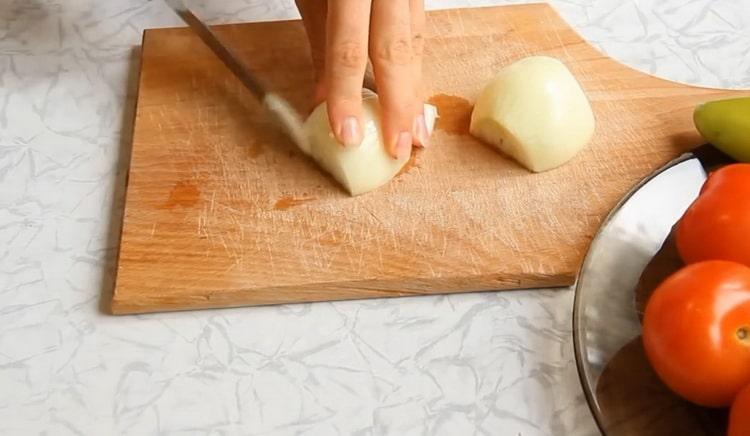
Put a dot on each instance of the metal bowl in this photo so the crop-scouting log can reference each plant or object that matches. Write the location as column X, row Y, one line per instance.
column 624, row 395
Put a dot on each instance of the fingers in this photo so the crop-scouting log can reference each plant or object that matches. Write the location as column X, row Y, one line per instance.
column 314, row 17
column 346, row 58
column 338, row 31
column 419, row 129
column 392, row 58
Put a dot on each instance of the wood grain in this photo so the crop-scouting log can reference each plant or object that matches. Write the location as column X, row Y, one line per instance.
column 222, row 211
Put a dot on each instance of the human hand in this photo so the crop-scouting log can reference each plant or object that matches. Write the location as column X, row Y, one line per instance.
column 342, row 34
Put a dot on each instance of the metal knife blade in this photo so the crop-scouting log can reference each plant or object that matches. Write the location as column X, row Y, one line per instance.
column 280, row 111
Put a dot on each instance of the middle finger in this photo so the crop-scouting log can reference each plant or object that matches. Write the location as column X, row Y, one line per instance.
column 392, row 59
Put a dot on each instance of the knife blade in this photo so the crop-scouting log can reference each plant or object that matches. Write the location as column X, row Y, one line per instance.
column 286, row 118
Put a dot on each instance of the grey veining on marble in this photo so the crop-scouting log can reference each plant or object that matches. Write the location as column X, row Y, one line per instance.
column 492, row 363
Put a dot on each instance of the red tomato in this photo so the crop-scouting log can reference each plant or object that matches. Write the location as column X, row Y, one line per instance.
column 739, row 417
column 717, row 224
column 696, row 331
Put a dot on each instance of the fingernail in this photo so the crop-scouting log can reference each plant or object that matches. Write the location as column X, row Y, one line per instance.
column 350, row 132
column 420, row 131
column 403, row 145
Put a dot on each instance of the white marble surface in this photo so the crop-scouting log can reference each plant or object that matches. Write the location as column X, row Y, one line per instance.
column 493, row 363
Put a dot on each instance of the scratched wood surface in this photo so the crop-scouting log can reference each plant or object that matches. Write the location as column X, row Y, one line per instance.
column 222, row 211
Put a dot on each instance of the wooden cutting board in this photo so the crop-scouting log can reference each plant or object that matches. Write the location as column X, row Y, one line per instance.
column 223, row 211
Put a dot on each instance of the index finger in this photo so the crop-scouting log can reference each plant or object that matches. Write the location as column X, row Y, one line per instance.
column 346, row 58
column 314, row 14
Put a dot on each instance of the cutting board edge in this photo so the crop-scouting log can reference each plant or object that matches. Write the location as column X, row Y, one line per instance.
column 334, row 291
column 615, row 61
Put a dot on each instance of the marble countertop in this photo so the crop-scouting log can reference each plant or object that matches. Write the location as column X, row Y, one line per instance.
column 489, row 363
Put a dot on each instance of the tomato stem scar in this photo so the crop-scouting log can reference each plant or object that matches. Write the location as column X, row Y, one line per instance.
column 743, row 333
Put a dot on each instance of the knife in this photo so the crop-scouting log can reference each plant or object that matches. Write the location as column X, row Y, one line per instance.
column 287, row 119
